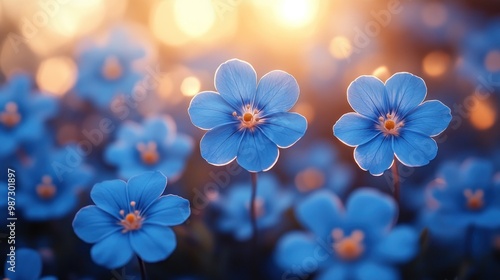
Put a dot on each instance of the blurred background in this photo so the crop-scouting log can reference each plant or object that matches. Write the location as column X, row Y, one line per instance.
column 175, row 46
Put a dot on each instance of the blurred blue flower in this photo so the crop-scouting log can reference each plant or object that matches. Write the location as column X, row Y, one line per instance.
column 246, row 120
column 131, row 217
column 105, row 71
column 271, row 201
column 22, row 114
column 355, row 243
column 49, row 186
column 391, row 120
column 154, row 145
column 28, row 266
column 318, row 168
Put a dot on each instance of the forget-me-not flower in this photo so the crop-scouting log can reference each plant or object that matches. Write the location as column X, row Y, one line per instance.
column 356, row 243
column 153, row 145
column 131, row 218
column 391, row 120
column 27, row 266
column 246, row 120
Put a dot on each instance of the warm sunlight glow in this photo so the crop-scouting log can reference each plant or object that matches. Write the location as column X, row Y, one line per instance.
column 436, row 63
column 194, row 17
column 482, row 114
column 56, row 75
column 382, row 72
column 190, row 86
column 296, row 13
column 340, row 47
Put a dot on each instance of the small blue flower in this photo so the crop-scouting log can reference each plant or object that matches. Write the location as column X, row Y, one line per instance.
column 28, row 266
column 154, row 145
column 391, row 120
column 131, row 217
column 355, row 243
column 270, row 203
column 107, row 71
column 246, row 120
column 49, row 186
column 22, row 114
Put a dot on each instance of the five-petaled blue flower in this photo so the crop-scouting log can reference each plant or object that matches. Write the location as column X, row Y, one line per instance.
column 356, row 243
column 131, row 217
column 246, row 120
column 391, row 120
column 154, row 145
column 270, row 203
column 22, row 114
column 107, row 71
column 27, row 266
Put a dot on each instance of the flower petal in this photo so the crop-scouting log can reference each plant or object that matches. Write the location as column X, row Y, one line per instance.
column 431, row 118
column 236, row 81
column 160, row 128
column 257, row 153
column 406, row 91
column 92, row 224
column 488, row 219
column 399, row 246
column 414, row 149
column 208, row 110
column 28, row 266
column 367, row 96
column 336, row 272
column 320, row 213
column 295, row 249
column 144, row 189
column 111, row 196
column 113, row 251
column 153, row 243
column 372, row 209
column 376, row 156
column 477, row 173
column 354, row 129
column 367, row 270
column 169, row 210
column 277, row 92
column 220, row 145
column 284, row 129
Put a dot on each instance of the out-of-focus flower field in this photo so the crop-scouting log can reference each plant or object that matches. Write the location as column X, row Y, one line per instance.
column 250, row 139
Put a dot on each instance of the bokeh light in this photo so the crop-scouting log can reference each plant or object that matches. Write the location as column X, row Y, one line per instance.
column 382, row 72
column 190, row 86
column 296, row 13
column 56, row 75
column 436, row 63
column 482, row 114
column 194, row 17
column 340, row 47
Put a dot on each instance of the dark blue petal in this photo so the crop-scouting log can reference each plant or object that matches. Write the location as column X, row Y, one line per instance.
column 208, row 110
column 111, row 196
column 92, row 224
column 113, row 251
column 354, row 129
column 401, row 245
column 376, row 156
column 320, row 213
column 367, row 96
column 284, row 129
column 257, row 153
column 414, row 149
column 236, row 81
column 430, row 118
column 160, row 128
column 220, row 145
column 44, row 106
column 489, row 218
column 367, row 270
column 129, row 132
column 169, row 210
column 30, row 129
column 477, row 173
column 28, row 265
column 335, row 272
column 145, row 188
column 8, row 146
column 277, row 92
column 243, row 232
column 295, row 249
column 406, row 91
column 372, row 209
column 153, row 243
column 120, row 153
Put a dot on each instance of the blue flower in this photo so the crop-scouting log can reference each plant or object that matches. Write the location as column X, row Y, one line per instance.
column 22, row 114
column 318, row 168
column 28, row 266
column 270, row 202
column 49, row 186
column 246, row 120
column 154, row 145
column 391, row 120
column 355, row 243
column 131, row 217
column 107, row 71
column 467, row 196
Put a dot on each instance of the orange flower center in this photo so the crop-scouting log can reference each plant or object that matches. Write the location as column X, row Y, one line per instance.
column 131, row 221
column 390, row 124
column 10, row 117
column 149, row 153
column 250, row 117
column 112, row 69
column 46, row 188
column 474, row 199
column 309, row 179
column 348, row 247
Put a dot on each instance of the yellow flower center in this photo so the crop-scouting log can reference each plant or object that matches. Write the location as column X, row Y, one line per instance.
column 10, row 117
column 309, row 179
column 149, row 152
column 348, row 247
column 112, row 69
column 131, row 221
column 390, row 124
column 249, row 118
column 46, row 188
column 474, row 199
